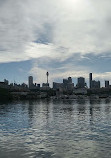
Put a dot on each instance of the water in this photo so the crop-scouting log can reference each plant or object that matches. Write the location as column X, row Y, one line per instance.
column 55, row 129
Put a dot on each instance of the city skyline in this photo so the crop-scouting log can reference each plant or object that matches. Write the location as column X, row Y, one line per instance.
column 71, row 38
column 81, row 82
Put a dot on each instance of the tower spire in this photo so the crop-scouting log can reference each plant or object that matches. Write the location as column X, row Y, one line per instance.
column 47, row 74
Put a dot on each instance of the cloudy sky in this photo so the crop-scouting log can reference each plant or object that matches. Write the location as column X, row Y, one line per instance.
column 64, row 37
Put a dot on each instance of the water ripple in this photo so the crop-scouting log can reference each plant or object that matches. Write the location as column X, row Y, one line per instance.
column 56, row 129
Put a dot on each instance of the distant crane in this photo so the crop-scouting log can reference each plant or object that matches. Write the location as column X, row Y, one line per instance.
column 47, row 74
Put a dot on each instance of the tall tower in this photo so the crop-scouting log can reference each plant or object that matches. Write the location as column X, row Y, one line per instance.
column 47, row 74
column 106, row 84
column 90, row 80
column 30, row 80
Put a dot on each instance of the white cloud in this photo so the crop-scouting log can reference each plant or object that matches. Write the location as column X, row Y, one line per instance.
column 39, row 74
column 35, row 50
column 69, row 26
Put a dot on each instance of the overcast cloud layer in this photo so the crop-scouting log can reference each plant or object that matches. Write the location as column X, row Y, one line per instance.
column 56, row 30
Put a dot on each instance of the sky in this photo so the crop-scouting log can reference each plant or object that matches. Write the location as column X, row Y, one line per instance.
column 64, row 37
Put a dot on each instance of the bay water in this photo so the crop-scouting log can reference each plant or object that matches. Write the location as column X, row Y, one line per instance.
column 55, row 129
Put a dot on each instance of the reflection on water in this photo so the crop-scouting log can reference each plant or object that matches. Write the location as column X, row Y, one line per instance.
column 55, row 129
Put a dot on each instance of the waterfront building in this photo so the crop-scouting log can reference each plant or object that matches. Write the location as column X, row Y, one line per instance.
column 66, row 85
column 107, row 84
column 45, row 84
column 57, row 85
column 81, row 91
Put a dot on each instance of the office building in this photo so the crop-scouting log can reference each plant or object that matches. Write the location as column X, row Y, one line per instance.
column 45, row 84
column 90, row 80
column 30, row 82
column 66, row 85
column 65, row 81
column 69, row 80
column 106, row 84
column 57, row 85
column 81, row 82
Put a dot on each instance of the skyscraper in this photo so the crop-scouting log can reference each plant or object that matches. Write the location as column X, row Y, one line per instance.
column 30, row 81
column 81, row 82
column 107, row 84
column 90, row 80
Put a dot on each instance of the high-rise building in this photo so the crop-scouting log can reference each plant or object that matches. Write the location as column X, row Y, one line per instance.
column 65, row 81
column 90, row 80
column 67, row 84
column 30, row 81
column 81, row 82
column 69, row 80
column 106, row 84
